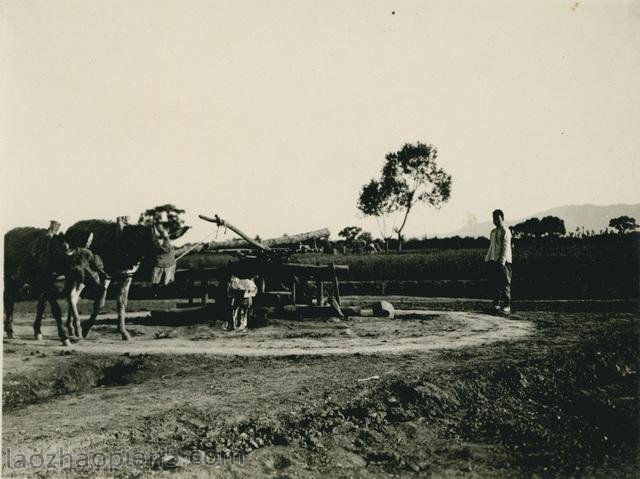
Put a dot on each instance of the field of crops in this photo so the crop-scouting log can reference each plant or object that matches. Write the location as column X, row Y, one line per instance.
column 606, row 269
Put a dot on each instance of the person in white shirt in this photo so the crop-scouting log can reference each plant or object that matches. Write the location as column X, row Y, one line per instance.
column 498, row 259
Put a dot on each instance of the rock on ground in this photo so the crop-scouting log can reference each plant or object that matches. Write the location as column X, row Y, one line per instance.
column 383, row 309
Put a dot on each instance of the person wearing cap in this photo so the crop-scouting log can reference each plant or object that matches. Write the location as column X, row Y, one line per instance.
column 164, row 267
column 498, row 259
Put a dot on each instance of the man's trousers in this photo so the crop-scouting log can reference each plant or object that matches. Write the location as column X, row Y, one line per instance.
column 500, row 283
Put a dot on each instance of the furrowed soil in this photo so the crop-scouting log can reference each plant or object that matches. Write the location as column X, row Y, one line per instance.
column 443, row 390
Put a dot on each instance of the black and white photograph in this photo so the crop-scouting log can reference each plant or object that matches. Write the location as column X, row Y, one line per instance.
column 320, row 238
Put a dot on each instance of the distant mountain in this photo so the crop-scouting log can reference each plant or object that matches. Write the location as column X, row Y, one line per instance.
column 591, row 217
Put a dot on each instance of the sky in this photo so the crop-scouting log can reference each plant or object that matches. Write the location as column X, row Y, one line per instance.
column 273, row 114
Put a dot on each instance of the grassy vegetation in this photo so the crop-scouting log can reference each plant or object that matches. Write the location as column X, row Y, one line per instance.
column 562, row 268
column 410, row 265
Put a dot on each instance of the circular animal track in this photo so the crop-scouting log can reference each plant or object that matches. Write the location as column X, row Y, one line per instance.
column 411, row 331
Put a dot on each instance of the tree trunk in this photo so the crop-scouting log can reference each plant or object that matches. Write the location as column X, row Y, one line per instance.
column 404, row 222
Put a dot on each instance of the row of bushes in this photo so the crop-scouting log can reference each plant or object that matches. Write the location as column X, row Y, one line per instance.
column 458, row 242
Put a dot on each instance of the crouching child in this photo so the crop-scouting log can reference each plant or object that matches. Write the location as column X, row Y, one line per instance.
column 240, row 293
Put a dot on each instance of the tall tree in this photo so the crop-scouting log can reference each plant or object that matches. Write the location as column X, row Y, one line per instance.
column 623, row 224
column 409, row 176
column 175, row 221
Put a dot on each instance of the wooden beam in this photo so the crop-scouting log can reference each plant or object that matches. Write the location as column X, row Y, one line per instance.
column 308, row 293
column 298, row 238
column 192, row 285
column 273, row 242
column 334, row 279
column 318, row 271
column 220, row 222
column 319, row 292
column 205, row 290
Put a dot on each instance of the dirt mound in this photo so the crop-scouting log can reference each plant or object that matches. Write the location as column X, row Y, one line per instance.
column 551, row 416
column 70, row 377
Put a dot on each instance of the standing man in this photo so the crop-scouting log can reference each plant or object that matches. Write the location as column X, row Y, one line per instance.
column 498, row 259
column 164, row 268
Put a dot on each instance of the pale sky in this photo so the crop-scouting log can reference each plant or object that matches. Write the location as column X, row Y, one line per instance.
column 273, row 114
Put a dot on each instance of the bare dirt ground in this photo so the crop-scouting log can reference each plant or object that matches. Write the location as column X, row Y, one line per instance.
column 414, row 330
column 432, row 393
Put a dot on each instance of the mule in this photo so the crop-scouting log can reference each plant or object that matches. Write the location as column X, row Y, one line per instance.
column 122, row 248
column 36, row 257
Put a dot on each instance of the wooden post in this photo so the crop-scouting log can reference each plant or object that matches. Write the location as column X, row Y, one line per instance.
column 191, row 284
column 334, row 279
column 293, row 292
column 307, row 292
column 204, row 283
column 319, row 292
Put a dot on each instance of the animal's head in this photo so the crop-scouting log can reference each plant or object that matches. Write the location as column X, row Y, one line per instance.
column 59, row 250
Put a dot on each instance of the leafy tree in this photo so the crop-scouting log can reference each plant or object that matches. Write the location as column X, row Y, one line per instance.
column 409, row 176
column 623, row 224
column 350, row 233
column 536, row 228
column 529, row 228
column 374, row 201
column 366, row 237
column 175, row 221
column 552, row 226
